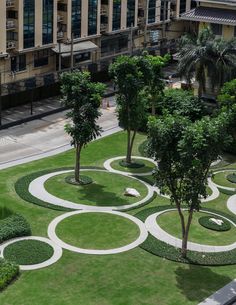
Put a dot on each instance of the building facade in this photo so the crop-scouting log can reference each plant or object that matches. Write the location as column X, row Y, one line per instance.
column 41, row 37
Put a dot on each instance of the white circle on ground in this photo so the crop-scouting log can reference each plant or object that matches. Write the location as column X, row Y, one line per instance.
column 156, row 231
column 53, row 259
column 37, row 189
column 215, row 192
column 107, row 165
column 53, row 236
column 221, row 186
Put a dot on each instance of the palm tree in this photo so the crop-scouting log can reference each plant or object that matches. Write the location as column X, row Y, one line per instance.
column 204, row 56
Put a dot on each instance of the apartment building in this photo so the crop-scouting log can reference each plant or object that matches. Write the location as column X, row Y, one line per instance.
column 220, row 15
column 41, row 37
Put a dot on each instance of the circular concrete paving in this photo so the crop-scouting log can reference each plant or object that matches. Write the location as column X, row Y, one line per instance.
column 53, row 236
column 156, row 231
column 37, row 189
column 221, row 186
column 53, row 259
column 107, row 165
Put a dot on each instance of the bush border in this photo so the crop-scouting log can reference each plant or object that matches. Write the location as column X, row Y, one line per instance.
column 204, row 222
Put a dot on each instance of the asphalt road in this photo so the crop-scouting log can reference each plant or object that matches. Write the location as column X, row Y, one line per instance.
column 44, row 137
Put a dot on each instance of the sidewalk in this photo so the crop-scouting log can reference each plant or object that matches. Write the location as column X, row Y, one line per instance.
column 49, row 105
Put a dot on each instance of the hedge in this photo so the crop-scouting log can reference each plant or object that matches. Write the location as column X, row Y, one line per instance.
column 14, row 226
column 8, row 272
column 162, row 249
column 207, row 223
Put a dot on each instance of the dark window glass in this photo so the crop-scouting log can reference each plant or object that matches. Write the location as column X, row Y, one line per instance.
column 152, row 11
column 48, row 21
column 18, row 63
column 116, row 15
column 41, row 58
column 29, row 23
column 92, row 17
column 82, row 57
column 62, row 7
column 164, row 11
column 182, row 6
column 76, row 18
column 216, row 28
column 235, row 31
column 130, row 13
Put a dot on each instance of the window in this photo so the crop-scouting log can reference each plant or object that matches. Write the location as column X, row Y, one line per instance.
column 92, row 17
column 41, row 58
column 18, row 63
column 164, row 11
column 29, row 23
column 216, row 28
column 76, row 18
column 152, row 11
column 82, row 57
column 48, row 21
column 116, row 15
column 182, row 6
column 130, row 13
column 235, row 31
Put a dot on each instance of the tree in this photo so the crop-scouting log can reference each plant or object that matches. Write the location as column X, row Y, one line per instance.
column 206, row 55
column 83, row 98
column 131, row 75
column 181, row 102
column 156, row 84
column 184, row 151
column 227, row 96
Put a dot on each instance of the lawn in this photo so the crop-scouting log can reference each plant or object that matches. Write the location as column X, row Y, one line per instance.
column 169, row 222
column 98, row 231
column 107, row 189
column 147, row 168
column 135, row 277
column 221, row 179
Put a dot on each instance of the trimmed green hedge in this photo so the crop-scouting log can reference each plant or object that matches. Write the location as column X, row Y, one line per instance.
column 22, row 187
column 134, row 164
column 206, row 223
column 162, row 249
column 28, row 252
column 84, row 180
column 226, row 192
column 8, row 272
column 14, row 226
column 231, row 178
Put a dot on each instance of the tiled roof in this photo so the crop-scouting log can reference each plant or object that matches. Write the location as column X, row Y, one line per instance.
column 212, row 15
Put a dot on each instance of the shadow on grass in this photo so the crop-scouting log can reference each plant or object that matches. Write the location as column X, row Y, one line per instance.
column 197, row 283
column 95, row 193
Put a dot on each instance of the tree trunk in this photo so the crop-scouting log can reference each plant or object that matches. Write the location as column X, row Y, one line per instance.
column 185, row 237
column 153, row 109
column 200, row 90
column 128, row 155
column 77, row 163
column 181, row 219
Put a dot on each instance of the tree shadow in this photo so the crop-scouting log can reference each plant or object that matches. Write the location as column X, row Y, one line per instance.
column 197, row 283
column 95, row 193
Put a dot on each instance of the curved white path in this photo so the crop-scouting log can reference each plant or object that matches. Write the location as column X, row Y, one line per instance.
column 53, row 259
column 215, row 192
column 107, row 165
column 37, row 189
column 156, row 231
column 53, row 236
column 221, row 186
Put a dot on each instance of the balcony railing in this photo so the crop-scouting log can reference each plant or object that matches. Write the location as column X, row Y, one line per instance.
column 11, row 44
column 10, row 3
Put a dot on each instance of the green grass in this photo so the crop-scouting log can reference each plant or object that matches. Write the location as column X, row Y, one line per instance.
column 135, row 277
column 169, row 222
column 148, row 166
column 28, row 252
column 97, row 231
column 107, row 189
column 221, row 179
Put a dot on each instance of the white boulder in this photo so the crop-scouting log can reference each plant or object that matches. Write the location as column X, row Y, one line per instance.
column 219, row 222
column 131, row 192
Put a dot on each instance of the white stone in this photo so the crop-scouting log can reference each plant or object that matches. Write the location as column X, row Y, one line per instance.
column 219, row 222
column 131, row 192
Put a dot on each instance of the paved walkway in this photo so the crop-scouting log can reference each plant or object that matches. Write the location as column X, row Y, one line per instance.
column 156, row 231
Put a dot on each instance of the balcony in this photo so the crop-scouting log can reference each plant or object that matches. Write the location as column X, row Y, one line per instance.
column 11, row 44
column 10, row 3
column 10, row 25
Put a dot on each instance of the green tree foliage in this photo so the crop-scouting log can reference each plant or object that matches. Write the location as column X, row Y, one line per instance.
column 184, row 151
column 83, row 98
column 181, row 102
column 131, row 75
column 207, row 55
column 227, row 96
column 156, row 84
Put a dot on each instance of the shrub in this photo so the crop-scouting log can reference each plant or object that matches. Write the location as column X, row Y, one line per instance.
column 5, row 212
column 207, row 223
column 231, row 178
column 13, row 226
column 8, row 272
column 84, row 180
